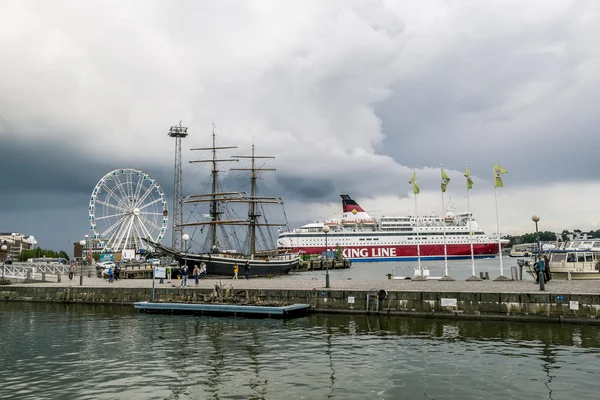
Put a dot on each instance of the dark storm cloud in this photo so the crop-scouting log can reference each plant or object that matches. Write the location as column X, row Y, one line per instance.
column 46, row 187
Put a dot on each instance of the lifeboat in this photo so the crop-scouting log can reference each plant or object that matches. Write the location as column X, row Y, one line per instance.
column 349, row 222
column 367, row 222
column 331, row 223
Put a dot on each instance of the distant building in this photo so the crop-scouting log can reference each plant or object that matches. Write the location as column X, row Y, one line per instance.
column 15, row 244
column 78, row 249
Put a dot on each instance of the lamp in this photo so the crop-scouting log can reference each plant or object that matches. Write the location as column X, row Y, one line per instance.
column 82, row 243
column 325, row 230
column 185, row 237
column 541, row 277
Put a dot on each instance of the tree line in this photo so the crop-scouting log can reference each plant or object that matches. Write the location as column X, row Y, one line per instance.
column 547, row 236
column 39, row 253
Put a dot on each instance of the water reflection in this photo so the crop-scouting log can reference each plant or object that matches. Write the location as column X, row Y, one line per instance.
column 59, row 351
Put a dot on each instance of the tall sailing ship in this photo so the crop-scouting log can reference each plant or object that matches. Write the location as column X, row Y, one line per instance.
column 388, row 238
column 221, row 249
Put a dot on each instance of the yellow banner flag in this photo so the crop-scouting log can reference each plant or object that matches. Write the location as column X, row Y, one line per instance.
column 469, row 180
column 498, row 170
column 413, row 181
column 445, row 180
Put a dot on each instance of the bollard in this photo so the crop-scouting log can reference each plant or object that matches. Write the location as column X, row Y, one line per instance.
column 487, row 276
column 58, row 277
column 389, row 276
column 520, row 263
column 89, row 273
column 513, row 273
column 481, row 276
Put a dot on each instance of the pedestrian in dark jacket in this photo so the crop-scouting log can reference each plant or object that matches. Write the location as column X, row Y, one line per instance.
column 185, row 272
column 247, row 269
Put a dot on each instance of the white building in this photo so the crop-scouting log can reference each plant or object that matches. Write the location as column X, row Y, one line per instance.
column 15, row 243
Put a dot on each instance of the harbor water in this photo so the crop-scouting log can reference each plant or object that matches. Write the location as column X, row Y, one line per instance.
column 60, row 351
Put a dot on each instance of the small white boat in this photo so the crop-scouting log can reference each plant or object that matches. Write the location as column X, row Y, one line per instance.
column 521, row 250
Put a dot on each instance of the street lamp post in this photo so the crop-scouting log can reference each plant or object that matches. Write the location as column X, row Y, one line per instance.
column 541, row 264
column 325, row 230
column 82, row 243
column 185, row 237
column 4, row 249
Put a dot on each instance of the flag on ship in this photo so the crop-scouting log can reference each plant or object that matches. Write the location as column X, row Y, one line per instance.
column 445, row 180
column 469, row 180
column 413, row 181
column 498, row 170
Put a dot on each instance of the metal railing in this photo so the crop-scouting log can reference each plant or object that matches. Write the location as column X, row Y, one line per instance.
column 33, row 271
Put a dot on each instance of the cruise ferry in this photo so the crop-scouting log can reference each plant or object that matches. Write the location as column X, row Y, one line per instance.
column 365, row 238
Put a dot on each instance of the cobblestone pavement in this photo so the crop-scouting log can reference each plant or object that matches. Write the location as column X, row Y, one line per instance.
column 489, row 286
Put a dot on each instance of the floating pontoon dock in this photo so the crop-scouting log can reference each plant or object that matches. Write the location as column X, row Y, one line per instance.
column 293, row 310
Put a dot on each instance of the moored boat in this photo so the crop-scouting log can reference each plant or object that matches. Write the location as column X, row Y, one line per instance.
column 224, row 226
column 521, row 250
column 390, row 238
column 573, row 263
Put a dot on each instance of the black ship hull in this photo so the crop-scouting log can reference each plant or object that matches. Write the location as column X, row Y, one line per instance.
column 222, row 264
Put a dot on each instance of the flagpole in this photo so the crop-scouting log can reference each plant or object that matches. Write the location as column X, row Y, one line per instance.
column 498, row 227
column 418, row 240
column 444, row 222
column 471, row 231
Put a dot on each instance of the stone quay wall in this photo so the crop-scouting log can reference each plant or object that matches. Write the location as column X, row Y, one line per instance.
column 541, row 306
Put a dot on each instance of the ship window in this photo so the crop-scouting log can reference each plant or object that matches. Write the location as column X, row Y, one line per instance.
column 596, row 244
column 589, row 257
column 580, row 257
column 571, row 257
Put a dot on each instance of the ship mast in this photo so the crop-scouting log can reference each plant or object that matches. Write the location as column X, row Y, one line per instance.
column 214, row 197
column 254, row 199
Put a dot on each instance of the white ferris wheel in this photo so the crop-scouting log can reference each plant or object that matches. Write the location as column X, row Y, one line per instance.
column 126, row 206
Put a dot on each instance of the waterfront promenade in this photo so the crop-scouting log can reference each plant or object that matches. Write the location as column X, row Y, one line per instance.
column 284, row 283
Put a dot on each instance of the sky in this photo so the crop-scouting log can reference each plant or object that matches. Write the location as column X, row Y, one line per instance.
column 349, row 95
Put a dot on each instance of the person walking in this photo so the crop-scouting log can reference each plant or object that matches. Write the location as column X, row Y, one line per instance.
column 185, row 271
column 196, row 274
column 235, row 271
column 110, row 275
column 71, row 271
column 203, row 270
column 118, row 272
column 247, row 269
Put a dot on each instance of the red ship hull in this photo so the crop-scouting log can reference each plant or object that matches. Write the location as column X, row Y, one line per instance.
column 409, row 252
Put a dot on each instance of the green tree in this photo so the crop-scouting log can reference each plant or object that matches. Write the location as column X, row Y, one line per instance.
column 564, row 235
column 39, row 253
column 528, row 238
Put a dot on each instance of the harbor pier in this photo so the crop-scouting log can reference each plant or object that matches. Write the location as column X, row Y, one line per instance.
column 563, row 301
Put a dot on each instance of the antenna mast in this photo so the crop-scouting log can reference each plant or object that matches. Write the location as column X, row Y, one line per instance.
column 178, row 132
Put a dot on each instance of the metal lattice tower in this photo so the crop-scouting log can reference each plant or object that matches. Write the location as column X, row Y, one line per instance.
column 178, row 132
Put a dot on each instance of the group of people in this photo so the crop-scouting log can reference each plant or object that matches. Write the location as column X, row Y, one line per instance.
column 114, row 274
column 236, row 269
column 197, row 273
column 542, row 267
column 200, row 273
